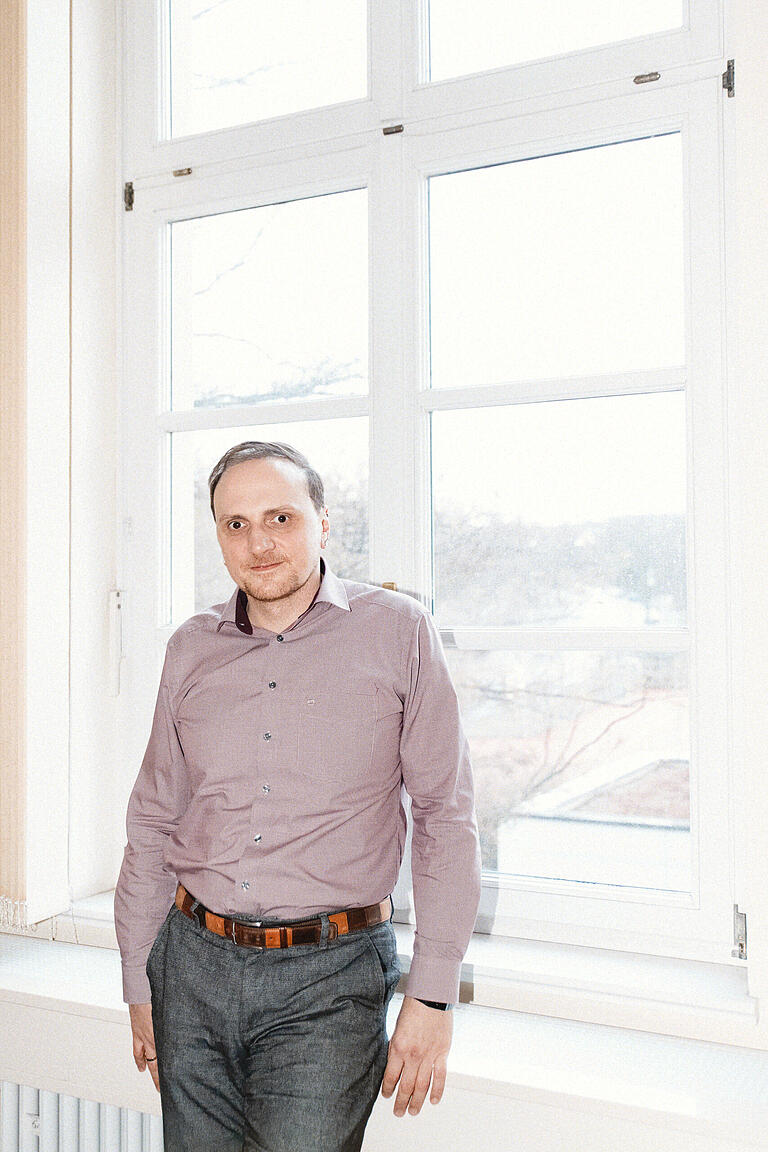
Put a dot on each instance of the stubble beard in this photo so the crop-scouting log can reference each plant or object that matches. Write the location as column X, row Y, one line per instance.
column 262, row 589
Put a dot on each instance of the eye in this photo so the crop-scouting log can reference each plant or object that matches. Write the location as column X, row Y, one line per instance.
column 282, row 518
column 235, row 524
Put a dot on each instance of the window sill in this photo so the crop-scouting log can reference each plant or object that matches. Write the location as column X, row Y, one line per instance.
column 692, row 999
column 668, row 996
column 65, row 999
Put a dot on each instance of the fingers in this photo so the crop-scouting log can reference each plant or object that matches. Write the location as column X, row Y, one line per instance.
column 405, row 1091
column 145, row 1059
column 414, row 1083
column 144, row 1053
column 152, row 1065
column 391, row 1073
column 420, row 1089
column 438, row 1081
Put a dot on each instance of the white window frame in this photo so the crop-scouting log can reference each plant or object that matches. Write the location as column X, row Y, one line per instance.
column 462, row 123
column 699, row 925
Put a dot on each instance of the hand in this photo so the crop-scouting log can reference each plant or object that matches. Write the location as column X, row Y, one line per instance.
column 418, row 1053
column 144, row 1039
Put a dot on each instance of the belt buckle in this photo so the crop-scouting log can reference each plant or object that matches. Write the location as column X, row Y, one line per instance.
column 256, row 924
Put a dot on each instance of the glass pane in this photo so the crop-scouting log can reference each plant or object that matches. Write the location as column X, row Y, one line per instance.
column 271, row 303
column 581, row 763
column 567, row 265
column 337, row 449
column 235, row 61
column 500, row 33
column 569, row 513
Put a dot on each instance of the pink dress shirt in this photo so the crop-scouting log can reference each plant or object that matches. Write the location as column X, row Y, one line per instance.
column 272, row 784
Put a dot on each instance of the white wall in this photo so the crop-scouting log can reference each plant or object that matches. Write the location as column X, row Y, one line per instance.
column 48, row 448
column 97, row 824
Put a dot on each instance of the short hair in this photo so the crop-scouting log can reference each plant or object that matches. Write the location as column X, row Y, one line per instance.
column 268, row 450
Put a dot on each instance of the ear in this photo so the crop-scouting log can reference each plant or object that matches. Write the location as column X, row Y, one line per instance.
column 325, row 528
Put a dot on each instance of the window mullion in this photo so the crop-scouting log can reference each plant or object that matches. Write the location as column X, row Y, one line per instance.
column 571, row 388
column 385, row 53
column 237, row 415
column 392, row 447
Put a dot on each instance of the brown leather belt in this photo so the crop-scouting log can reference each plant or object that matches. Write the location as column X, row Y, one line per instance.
column 281, row 935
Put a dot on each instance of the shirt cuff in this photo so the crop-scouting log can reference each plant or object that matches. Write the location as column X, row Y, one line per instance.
column 434, row 978
column 136, row 989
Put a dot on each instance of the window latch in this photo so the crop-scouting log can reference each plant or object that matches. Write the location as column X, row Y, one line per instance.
column 729, row 78
column 739, row 934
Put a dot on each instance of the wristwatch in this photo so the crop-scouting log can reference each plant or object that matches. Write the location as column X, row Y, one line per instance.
column 439, row 1004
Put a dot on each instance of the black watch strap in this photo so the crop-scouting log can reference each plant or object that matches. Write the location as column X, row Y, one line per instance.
column 439, row 1004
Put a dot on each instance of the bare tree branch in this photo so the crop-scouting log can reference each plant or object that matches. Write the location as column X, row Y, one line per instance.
column 562, row 764
column 233, row 267
column 210, row 8
column 208, row 81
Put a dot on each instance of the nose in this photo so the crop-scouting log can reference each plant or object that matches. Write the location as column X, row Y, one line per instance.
column 260, row 541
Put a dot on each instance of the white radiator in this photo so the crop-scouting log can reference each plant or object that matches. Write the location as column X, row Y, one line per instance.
column 32, row 1120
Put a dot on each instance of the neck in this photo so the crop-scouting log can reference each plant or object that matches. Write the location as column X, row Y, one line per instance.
column 278, row 615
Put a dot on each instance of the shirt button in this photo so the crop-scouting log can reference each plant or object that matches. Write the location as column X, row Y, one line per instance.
column 265, row 788
column 280, row 638
column 273, row 683
column 267, row 735
column 256, row 839
column 246, row 884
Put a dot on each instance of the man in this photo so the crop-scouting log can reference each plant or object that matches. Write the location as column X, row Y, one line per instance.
column 267, row 813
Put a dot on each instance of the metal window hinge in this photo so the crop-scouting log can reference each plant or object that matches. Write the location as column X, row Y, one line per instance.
column 128, row 195
column 739, row 933
column 115, row 639
column 391, row 129
column 729, row 78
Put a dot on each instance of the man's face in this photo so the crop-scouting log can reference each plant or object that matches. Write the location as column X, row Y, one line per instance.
column 268, row 529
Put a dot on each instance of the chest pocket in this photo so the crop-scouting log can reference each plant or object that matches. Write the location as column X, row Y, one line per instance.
column 336, row 735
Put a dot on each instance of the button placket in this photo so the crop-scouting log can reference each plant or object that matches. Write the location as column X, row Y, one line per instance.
column 265, row 788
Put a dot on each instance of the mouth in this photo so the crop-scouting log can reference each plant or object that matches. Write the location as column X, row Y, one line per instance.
column 265, row 567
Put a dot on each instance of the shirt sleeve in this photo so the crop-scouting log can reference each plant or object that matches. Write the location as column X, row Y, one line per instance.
column 445, row 854
column 146, row 886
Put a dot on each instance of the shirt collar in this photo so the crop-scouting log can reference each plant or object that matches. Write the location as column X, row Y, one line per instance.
column 331, row 588
column 331, row 591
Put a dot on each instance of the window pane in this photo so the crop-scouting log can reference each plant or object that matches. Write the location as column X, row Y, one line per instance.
column 338, row 449
column 567, row 265
column 271, row 303
column 235, row 61
column 500, row 34
column 581, row 763
column 569, row 513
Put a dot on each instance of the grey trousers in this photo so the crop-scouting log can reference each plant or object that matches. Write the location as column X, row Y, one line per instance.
column 274, row 1049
